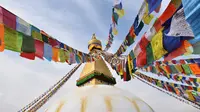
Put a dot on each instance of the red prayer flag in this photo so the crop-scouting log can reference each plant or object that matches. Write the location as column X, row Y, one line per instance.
column 182, row 62
column 39, row 47
column 30, row 56
column 53, row 42
column 157, row 25
column 181, row 50
column 143, row 43
column 7, row 18
column 141, row 59
column 169, row 11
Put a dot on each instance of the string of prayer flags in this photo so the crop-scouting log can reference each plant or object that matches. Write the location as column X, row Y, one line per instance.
column 117, row 12
column 124, row 68
column 177, row 90
column 134, row 30
column 138, row 24
column 18, row 35
column 180, row 90
column 187, row 67
column 171, row 43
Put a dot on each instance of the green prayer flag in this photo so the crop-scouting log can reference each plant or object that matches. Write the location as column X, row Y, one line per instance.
column 154, row 69
column 115, row 17
column 28, row 44
column 195, row 93
column 173, row 69
column 161, row 66
column 196, row 48
column 186, row 68
column 45, row 38
column 67, row 55
column 62, row 55
column 130, row 39
column 36, row 35
column 132, row 54
column 149, row 51
column 13, row 40
column 158, row 84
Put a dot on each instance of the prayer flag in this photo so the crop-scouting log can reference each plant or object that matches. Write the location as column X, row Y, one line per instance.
column 55, row 56
column 157, row 45
column 39, row 49
column 153, row 5
column 23, row 27
column 7, row 18
column 28, row 44
column 12, row 40
column 48, row 51
column 35, row 32
column 30, row 56
column 2, row 44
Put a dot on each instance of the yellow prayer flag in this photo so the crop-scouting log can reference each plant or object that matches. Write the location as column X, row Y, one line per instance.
column 189, row 50
column 121, row 70
column 178, row 68
column 176, row 3
column 147, row 18
column 36, row 35
column 115, row 32
column 180, row 78
column 190, row 96
column 157, row 45
column 198, row 80
column 130, row 64
column 172, row 84
column 120, row 13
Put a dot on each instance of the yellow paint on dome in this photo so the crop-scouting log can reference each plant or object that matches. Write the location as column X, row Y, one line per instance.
column 108, row 103
column 83, row 104
column 134, row 104
column 60, row 106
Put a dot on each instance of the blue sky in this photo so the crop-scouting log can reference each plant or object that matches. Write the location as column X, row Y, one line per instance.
column 72, row 22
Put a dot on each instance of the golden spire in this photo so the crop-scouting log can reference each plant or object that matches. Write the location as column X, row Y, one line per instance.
column 94, row 36
column 94, row 43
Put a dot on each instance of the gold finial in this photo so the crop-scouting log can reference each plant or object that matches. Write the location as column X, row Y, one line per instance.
column 94, row 36
column 94, row 43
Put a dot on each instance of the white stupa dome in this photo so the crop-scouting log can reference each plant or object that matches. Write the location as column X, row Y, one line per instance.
column 100, row 98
